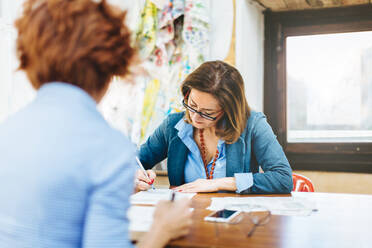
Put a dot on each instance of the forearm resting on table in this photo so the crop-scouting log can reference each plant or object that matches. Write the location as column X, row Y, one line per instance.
column 226, row 183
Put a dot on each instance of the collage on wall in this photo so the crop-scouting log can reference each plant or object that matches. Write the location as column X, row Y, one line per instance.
column 173, row 39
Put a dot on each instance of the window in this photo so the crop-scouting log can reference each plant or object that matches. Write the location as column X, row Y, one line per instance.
column 318, row 86
column 329, row 87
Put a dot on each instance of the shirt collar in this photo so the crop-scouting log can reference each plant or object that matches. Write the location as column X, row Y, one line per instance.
column 67, row 92
column 186, row 130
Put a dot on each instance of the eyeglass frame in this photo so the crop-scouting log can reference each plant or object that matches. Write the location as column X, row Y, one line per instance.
column 203, row 115
column 261, row 222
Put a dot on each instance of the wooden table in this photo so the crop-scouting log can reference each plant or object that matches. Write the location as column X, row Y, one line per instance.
column 342, row 220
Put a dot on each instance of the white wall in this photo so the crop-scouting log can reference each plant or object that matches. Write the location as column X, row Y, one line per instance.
column 250, row 50
column 221, row 27
column 15, row 91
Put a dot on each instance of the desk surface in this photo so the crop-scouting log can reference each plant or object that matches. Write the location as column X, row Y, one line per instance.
column 342, row 220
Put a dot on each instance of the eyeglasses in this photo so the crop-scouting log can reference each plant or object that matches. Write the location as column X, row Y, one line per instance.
column 258, row 216
column 205, row 116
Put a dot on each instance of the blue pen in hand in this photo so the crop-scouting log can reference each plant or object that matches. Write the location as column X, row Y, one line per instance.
column 144, row 171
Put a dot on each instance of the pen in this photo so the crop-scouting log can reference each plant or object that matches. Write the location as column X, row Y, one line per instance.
column 173, row 196
column 143, row 169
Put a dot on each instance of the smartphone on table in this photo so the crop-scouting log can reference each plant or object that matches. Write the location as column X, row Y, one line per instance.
column 223, row 215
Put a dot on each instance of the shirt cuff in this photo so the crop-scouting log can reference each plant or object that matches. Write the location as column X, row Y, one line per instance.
column 243, row 181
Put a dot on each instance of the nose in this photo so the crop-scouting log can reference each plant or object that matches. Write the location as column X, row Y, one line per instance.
column 197, row 117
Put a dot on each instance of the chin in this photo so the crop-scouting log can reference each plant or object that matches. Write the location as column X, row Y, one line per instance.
column 199, row 125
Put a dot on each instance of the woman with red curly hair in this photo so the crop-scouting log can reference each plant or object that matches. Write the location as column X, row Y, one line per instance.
column 65, row 179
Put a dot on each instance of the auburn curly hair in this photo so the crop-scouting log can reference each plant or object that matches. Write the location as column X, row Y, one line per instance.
column 81, row 42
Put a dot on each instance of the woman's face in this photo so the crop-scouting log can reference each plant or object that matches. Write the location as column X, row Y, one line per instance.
column 206, row 104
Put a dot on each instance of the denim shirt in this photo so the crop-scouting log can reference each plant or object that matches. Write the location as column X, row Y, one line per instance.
column 256, row 147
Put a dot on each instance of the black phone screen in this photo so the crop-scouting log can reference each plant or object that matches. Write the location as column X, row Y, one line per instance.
column 223, row 213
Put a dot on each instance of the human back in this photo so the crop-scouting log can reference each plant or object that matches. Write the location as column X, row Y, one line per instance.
column 53, row 153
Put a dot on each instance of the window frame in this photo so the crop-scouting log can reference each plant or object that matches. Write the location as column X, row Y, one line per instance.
column 345, row 157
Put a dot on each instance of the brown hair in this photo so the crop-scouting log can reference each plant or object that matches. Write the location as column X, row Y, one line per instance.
column 80, row 42
column 226, row 84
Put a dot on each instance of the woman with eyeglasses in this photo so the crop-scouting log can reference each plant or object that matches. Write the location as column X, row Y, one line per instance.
column 218, row 143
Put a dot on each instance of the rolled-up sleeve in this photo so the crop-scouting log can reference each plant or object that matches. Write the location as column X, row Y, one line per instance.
column 243, row 181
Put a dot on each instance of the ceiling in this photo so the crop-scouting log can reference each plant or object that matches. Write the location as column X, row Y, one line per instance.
column 283, row 5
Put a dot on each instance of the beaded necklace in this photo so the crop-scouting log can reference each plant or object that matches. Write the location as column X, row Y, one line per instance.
column 203, row 153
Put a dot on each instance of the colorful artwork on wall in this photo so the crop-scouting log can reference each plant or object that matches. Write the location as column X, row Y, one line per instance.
column 172, row 38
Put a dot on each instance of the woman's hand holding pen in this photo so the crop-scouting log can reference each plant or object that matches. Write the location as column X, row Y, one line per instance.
column 143, row 182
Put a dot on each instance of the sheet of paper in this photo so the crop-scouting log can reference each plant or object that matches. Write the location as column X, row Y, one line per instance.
column 277, row 205
column 151, row 197
column 141, row 217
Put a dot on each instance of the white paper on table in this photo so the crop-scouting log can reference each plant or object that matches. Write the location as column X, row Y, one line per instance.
column 151, row 197
column 141, row 217
column 298, row 206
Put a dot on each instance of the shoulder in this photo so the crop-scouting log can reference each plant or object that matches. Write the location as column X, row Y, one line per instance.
column 174, row 118
column 171, row 120
column 255, row 120
column 257, row 126
column 256, row 115
column 117, row 141
column 113, row 143
column 113, row 152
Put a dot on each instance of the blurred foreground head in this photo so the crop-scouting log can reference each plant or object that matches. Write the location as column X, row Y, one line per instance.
column 81, row 42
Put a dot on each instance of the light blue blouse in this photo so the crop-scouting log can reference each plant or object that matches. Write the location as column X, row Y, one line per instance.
column 66, row 175
column 194, row 167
